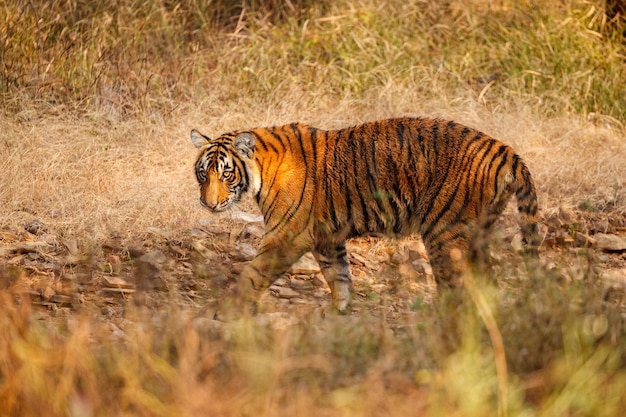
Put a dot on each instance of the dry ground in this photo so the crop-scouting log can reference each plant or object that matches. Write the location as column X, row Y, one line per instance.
column 100, row 215
column 99, row 192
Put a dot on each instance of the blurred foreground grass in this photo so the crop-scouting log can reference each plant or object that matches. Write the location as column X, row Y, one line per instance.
column 564, row 344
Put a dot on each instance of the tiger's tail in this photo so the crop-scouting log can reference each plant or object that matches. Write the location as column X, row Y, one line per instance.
column 526, row 196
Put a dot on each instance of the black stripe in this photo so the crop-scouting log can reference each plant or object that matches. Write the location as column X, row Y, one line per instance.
column 435, row 136
column 468, row 191
column 372, row 175
column 327, row 187
column 516, row 160
column 505, row 160
column 433, row 199
column 479, row 180
column 358, row 143
column 278, row 138
column 397, row 200
column 267, row 214
column 400, row 134
column 498, row 154
column 465, row 160
column 260, row 142
column 293, row 209
column 313, row 140
column 343, row 176
column 273, row 180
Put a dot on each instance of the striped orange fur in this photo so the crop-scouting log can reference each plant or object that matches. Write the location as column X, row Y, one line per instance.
column 318, row 188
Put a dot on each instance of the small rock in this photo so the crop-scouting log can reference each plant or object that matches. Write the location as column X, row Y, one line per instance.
column 280, row 282
column 407, row 272
column 277, row 320
column 115, row 263
column 208, row 327
column 117, row 282
column 47, row 293
column 155, row 257
column 416, row 249
column 199, row 233
column 63, row 300
column 306, row 265
column 32, row 295
column 247, row 217
column 147, row 271
column 600, row 226
column 113, row 245
column 301, row 284
column 359, row 259
column 284, row 292
column 136, row 251
column 203, row 250
column 321, row 293
column 159, row 232
column 206, row 221
column 71, row 260
column 244, row 251
column 400, row 256
column 116, row 332
column 318, row 280
column 516, row 243
column 237, row 267
column 159, row 284
column 22, row 247
column 615, row 278
column 302, row 301
column 120, row 291
column 252, row 231
column 214, row 229
column 423, row 266
column 35, row 227
column 71, row 245
column 608, row 242
column 48, row 238
column 79, row 278
column 219, row 280
column 563, row 238
column 567, row 215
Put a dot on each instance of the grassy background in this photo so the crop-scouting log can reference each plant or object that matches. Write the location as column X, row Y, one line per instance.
column 97, row 102
column 146, row 57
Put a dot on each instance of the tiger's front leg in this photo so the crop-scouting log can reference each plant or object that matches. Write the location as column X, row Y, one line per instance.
column 270, row 263
column 333, row 261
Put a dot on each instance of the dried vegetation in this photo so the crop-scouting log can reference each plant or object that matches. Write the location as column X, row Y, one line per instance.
column 114, row 282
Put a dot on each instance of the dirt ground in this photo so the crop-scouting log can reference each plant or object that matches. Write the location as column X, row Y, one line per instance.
column 197, row 268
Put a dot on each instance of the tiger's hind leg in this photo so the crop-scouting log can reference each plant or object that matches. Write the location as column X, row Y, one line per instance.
column 448, row 254
column 333, row 261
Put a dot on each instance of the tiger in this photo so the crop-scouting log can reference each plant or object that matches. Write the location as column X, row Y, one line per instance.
column 318, row 188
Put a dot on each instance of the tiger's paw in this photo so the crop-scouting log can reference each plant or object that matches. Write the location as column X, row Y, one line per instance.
column 341, row 296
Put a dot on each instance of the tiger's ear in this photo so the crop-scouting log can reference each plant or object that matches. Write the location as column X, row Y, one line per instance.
column 198, row 139
column 244, row 143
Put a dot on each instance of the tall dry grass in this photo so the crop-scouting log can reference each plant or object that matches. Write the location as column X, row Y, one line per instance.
column 97, row 102
column 146, row 57
column 175, row 362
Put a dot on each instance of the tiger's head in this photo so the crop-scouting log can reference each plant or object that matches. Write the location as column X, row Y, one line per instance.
column 225, row 168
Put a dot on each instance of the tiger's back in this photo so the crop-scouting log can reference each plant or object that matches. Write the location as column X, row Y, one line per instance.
column 317, row 188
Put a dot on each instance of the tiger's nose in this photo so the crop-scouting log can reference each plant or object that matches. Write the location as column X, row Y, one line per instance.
column 210, row 206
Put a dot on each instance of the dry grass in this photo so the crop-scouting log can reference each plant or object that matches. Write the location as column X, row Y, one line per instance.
column 97, row 105
column 96, row 178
